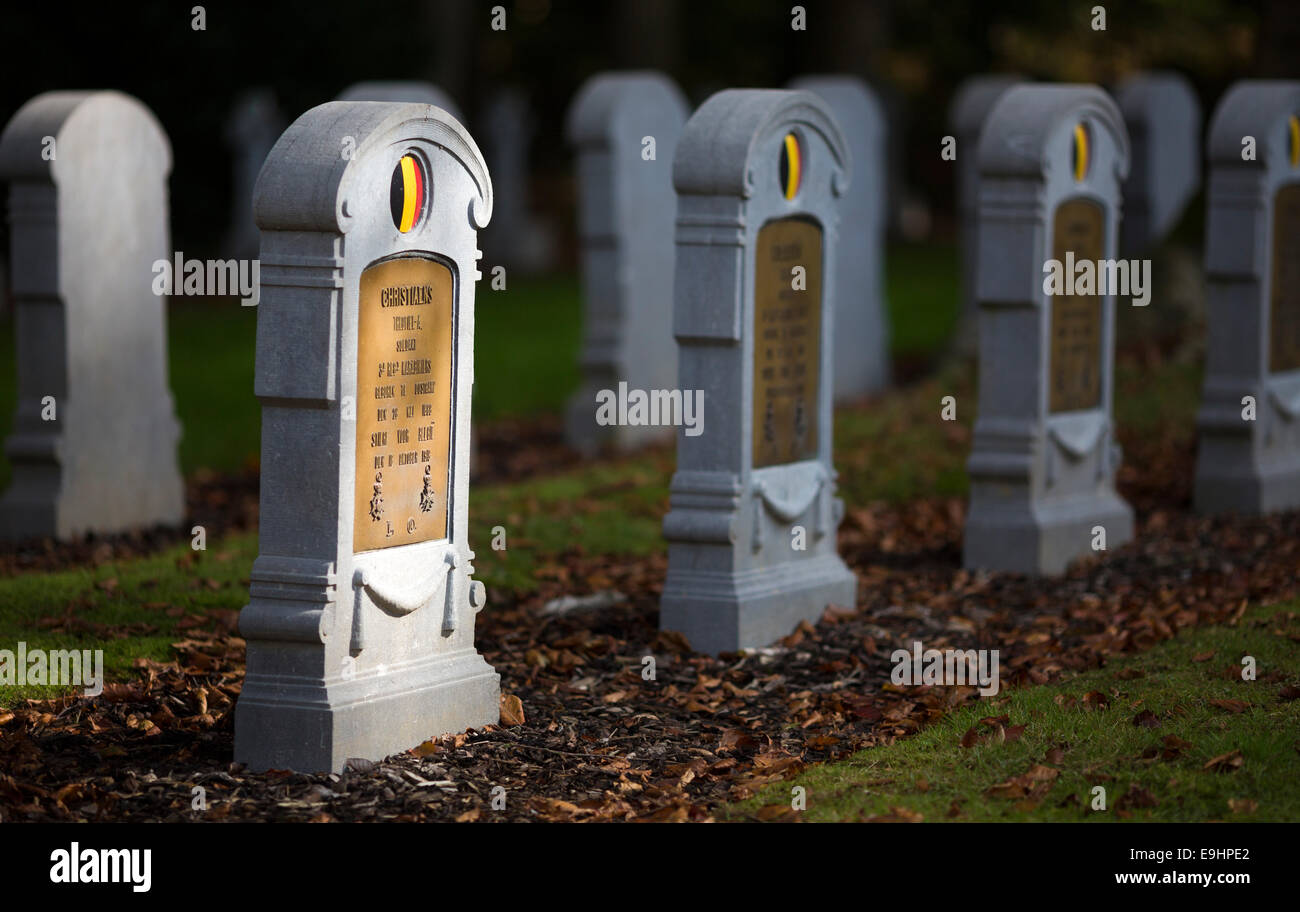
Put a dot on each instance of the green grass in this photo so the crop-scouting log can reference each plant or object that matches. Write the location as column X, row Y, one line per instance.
column 923, row 288
column 527, row 344
column 613, row 509
column 121, row 607
column 931, row 772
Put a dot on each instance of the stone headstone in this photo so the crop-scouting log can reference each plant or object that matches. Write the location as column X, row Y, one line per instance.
column 1163, row 119
column 93, row 446
column 518, row 239
column 360, row 622
column 412, row 91
column 1249, row 422
column 255, row 123
column 760, row 178
column 861, row 317
column 625, row 225
column 1043, row 461
column 974, row 100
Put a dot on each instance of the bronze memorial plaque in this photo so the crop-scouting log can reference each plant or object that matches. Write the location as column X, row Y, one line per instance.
column 404, row 350
column 787, row 342
column 1284, row 310
column 1074, row 371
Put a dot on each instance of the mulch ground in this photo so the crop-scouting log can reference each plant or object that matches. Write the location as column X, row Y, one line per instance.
column 586, row 737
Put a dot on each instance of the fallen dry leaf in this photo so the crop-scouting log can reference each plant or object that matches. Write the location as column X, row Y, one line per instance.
column 1226, row 763
column 1232, row 706
column 512, row 710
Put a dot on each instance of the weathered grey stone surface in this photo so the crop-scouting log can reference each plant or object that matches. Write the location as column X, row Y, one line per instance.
column 355, row 654
column 88, row 219
column 734, row 578
column 255, row 123
column 974, row 100
column 861, row 314
column 1246, row 466
column 518, row 238
column 1040, row 480
column 625, row 226
column 1163, row 119
column 413, row 91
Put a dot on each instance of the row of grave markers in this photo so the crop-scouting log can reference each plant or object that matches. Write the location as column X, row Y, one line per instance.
column 362, row 598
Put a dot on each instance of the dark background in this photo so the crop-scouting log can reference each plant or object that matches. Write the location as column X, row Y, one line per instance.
column 914, row 53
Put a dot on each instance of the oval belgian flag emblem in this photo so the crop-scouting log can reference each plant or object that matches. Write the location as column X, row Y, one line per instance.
column 791, row 171
column 406, row 193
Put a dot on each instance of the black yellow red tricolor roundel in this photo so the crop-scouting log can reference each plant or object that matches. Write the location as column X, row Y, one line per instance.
column 1080, row 163
column 407, row 192
column 791, row 165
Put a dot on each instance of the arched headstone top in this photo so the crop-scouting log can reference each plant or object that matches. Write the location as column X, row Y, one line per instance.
column 849, row 91
column 306, row 181
column 719, row 151
column 1139, row 94
column 976, row 97
column 1024, row 133
column 415, row 92
column 606, row 100
column 1260, row 108
column 76, row 121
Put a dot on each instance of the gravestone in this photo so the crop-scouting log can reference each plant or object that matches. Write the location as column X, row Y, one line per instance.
column 974, row 100
column 1163, row 119
column 861, row 318
column 625, row 226
column 93, row 446
column 360, row 621
column 1249, row 422
column 1043, row 461
column 255, row 123
column 412, row 91
column 518, row 239
column 760, row 178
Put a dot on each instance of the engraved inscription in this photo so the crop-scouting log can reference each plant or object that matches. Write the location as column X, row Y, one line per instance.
column 1284, row 309
column 404, row 351
column 1074, row 371
column 787, row 341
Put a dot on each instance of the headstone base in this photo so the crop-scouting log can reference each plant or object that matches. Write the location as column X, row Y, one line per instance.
column 727, row 612
column 583, row 434
column 1222, row 486
column 1042, row 539
column 310, row 725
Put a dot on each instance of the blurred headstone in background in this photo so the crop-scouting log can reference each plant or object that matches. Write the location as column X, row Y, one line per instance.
column 517, row 238
column 1164, row 125
column 624, row 128
column 1163, row 117
column 1052, row 160
column 1248, row 460
column 254, row 124
column 861, row 317
column 753, row 509
column 93, row 445
column 974, row 100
